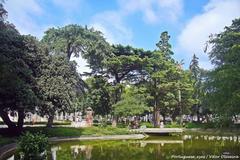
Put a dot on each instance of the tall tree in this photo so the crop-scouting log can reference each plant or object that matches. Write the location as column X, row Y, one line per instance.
column 75, row 40
column 183, row 91
column 161, row 78
column 57, row 86
column 197, row 82
column 223, row 87
column 164, row 46
column 161, row 81
column 194, row 67
column 17, row 81
column 125, row 64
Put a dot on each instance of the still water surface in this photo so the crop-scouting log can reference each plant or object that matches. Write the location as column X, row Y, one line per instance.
column 153, row 148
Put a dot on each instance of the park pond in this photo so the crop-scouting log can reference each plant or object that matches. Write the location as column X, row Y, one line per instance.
column 184, row 146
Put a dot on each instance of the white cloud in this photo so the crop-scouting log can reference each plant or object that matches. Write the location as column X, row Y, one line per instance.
column 216, row 15
column 20, row 14
column 111, row 24
column 173, row 8
column 69, row 5
column 153, row 11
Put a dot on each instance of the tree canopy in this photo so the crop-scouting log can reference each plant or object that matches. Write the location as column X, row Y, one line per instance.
column 224, row 80
column 75, row 40
column 40, row 76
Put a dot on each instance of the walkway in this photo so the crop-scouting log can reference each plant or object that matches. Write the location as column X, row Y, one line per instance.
column 158, row 130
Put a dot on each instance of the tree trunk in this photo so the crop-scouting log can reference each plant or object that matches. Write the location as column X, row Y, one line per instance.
column 6, row 120
column 13, row 129
column 50, row 120
column 20, row 119
column 176, row 112
column 164, row 118
column 198, row 117
column 156, row 117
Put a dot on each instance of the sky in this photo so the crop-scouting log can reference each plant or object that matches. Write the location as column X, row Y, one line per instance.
column 138, row 23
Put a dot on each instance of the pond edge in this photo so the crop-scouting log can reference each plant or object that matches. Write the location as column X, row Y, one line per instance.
column 8, row 148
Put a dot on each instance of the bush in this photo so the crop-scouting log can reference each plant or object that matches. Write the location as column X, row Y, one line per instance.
column 32, row 146
column 173, row 125
column 122, row 125
column 147, row 124
column 194, row 125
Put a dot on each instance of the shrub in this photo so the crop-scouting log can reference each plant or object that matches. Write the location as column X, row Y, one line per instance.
column 173, row 125
column 147, row 124
column 194, row 125
column 32, row 146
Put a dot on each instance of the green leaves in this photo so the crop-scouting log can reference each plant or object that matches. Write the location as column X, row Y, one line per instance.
column 31, row 146
column 222, row 85
column 98, row 95
column 133, row 102
column 17, row 76
column 57, row 84
column 223, row 43
column 75, row 40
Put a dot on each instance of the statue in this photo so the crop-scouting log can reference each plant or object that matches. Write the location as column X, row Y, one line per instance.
column 89, row 116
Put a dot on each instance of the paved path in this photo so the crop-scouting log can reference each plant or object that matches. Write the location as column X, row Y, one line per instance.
column 158, row 130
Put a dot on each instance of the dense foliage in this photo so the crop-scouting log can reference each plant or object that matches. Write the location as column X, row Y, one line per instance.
column 223, row 83
column 32, row 146
column 18, row 74
column 39, row 76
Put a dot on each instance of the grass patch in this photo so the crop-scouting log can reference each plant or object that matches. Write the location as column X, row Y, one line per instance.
column 147, row 124
column 70, row 132
column 173, row 125
column 195, row 125
column 217, row 132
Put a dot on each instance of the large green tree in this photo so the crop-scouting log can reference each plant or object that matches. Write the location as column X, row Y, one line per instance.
column 125, row 64
column 17, row 78
column 73, row 40
column 161, row 82
column 161, row 79
column 57, row 85
column 195, row 71
column 223, row 87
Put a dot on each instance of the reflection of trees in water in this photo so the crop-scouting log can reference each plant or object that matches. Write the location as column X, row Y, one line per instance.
column 67, row 152
column 54, row 152
column 80, row 151
column 152, row 149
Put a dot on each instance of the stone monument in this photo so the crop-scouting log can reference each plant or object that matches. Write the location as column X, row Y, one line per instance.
column 89, row 117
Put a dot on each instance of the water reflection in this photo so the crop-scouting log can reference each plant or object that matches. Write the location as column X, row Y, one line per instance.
column 86, row 150
column 153, row 148
column 212, row 138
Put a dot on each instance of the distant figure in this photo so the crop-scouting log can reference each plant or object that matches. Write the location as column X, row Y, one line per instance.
column 161, row 125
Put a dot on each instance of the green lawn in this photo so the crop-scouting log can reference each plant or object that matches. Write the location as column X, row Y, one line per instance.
column 219, row 132
column 69, row 132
